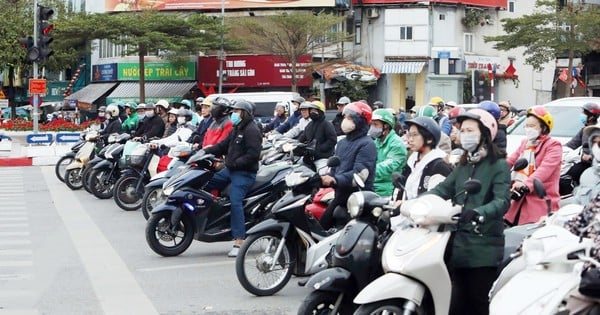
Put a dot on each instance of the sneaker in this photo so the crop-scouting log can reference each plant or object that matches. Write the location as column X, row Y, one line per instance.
column 234, row 251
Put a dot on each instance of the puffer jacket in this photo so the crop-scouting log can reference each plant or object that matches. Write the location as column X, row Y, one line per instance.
column 323, row 133
column 151, row 127
column 391, row 157
column 218, row 131
column 130, row 124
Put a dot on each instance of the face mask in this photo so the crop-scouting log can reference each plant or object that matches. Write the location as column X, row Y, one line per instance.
column 235, row 118
column 596, row 152
column 348, row 126
column 469, row 141
column 149, row 114
column 314, row 116
column 181, row 120
column 108, row 115
column 583, row 119
column 531, row 133
column 375, row 132
column 294, row 107
column 101, row 114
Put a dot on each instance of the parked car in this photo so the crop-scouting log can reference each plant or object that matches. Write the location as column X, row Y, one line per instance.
column 566, row 112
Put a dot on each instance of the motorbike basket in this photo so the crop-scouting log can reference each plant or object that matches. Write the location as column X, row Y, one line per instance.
column 136, row 158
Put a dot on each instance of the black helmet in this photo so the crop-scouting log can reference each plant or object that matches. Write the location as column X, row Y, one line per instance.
column 219, row 107
column 184, row 112
column 428, row 125
column 247, row 106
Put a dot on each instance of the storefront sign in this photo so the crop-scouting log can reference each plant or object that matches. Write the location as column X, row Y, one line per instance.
column 478, row 3
column 117, row 5
column 157, row 71
column 482, row 62
column 107, row 72
column 254, row 71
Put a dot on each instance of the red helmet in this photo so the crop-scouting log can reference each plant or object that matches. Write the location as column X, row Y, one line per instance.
column 359, row 109
column 593, row 108
column 455, row 112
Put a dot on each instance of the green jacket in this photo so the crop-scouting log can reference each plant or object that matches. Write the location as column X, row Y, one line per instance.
column 391, row 157
column 472, row 249
column 130, row 123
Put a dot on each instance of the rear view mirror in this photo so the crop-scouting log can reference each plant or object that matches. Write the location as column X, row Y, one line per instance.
column 472, row 186
column 539, row 188
column 358, row 180
column 520, row 164
column 334, row 161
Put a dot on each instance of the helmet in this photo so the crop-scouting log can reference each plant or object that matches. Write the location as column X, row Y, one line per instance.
column 200, row 99
column 414, row 109
column 163, row 103
column 344, row 100
column 113, row 110
column 504, row 104
column 385, row 116
column 436, row 101
column 590, row 132
column 142, row 106
column 186, row 103
column 298, row 99
column 455, row 112
column 285, row 105
column 102, row 108
column 120, row 104
column 359, row 109
column 426, row 111
column 378, row 104
column 182, row 112
column 592, row 108
column 173, row 111
column 150, row 106
column 485, row 119
column 491, row 107
column 451, row 104
column 207, row 101
column 132, row 105
column 319, row 105
column 245, row 105
column 429, row 125
column 541, row 113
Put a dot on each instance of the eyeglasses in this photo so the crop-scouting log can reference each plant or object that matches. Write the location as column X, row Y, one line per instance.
column 413, row 135
column 503, row 110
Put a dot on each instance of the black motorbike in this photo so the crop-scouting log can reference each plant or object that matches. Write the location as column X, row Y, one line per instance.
column 105, row 173
column 191, row 213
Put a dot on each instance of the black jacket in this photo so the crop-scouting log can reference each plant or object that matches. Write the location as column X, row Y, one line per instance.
column 151, row 127
column 437, row 166
column 323, row 133
column 113, row 125
column 241, row 148
column 500, row 140
column 337, row 124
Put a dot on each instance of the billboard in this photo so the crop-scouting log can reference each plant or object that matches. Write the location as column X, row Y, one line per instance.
column 135, row 5
column 105, row 72
column 254, row 71
column 157, row 71
column 478, row 3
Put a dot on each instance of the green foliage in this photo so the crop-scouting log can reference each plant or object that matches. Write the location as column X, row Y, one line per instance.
column 354, row 89
column 473, row 17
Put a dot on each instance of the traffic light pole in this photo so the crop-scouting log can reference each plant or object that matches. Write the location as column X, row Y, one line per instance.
column 35, row 97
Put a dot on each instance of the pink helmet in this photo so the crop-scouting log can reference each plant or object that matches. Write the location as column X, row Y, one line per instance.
column 486, row 119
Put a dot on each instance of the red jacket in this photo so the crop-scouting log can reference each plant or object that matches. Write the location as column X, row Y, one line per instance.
column 217, row 131
column 548, row 159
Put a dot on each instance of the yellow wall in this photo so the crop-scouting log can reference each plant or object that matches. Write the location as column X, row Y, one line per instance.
column 398, row 91
column 420, row 90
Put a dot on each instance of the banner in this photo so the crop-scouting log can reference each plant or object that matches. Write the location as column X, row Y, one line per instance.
column 106, row 72
column 165, row 5
column 478, row 3
column 157, row 71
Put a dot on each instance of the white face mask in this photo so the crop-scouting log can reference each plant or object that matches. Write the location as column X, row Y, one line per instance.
column 347, row 126
column 469, row 141
column 150, row 114
column 531, row 133
column 596, row 152
column 181, row 120
column 101, row 114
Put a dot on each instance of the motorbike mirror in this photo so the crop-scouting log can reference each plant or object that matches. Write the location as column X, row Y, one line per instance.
column 520, row 164
column 358, row 180
column 398, row 180
column 334, row 161
column 539, row 188
column 472, row 186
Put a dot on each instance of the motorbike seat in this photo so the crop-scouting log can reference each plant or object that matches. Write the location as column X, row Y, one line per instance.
column 264, row 175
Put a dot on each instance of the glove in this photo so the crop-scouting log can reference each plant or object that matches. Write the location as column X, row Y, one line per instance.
column 469, row 215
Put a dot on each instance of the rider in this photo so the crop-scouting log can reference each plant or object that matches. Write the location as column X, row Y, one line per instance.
column 206, row 120
column 281, row 110
column 339, row 117
column 130, row 124
column 455, row 134
column 357, row 154
column 391, row 151
column 162, row 106
column 151, row 126
column 294, row 116
column 297, row 130
column 188, row 105
column 476, row 250
column 183, row 132
column 242, row 153
column 505, row 114
column 544, row 155
column 441, row 118
column 589, row 182
column 319, row 133
column 493, row 108
column 113, row 124
column 221, row 125
column 443, row 142
column 171, row 125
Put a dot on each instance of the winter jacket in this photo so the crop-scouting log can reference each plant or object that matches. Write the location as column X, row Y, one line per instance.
column 444, row 123
column 297, row 130
column 579, row 140
column 150, row 127
column 218, row 131
column 169, row 129
column 482, row 246
column 548, row 158
column 241, row 148
column 274, row 123
column 323, row 133
column 182, row 134
column 500, row 140
column 337, row 124
column 289, row 123
column 584, row 225
column 113, row 125
column 589, row 185
column 130, row 124
column 203, row 126
column 391, row 157
column 432, row 168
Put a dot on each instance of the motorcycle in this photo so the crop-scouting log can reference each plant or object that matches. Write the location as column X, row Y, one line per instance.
column 65, row 160
column 106, row 172
column 98, row 157
column 74, row 171
column 356, row 258
column 290, row 242
column 191, row 213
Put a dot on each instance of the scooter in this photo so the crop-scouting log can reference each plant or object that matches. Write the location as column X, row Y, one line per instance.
column 290, row 242
column 74, row 171
column 106, row 172
column 61, row 164
column 191, row 213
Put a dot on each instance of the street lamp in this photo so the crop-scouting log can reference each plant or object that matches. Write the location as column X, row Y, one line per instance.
column 221, row 52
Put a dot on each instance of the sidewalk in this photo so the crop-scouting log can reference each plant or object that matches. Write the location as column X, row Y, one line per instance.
column 19, row 153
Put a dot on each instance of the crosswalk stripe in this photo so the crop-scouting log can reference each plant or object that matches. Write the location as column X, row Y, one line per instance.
column 15, row 242
column 6, row 213
column 16, row 252
column 16, row 263
column 13, row 225
column 3, row 234
column 13, row 219
column 15, row 276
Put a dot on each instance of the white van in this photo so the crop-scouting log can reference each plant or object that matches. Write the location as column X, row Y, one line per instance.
column 265, row 101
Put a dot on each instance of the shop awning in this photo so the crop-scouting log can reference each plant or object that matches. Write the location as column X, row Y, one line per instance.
column 91, row 92
column 403, row 67
column 155, row 90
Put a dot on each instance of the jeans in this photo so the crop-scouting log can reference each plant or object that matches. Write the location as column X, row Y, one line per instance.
column 241, row 181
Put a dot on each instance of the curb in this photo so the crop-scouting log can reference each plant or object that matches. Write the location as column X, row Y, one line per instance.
column 16, row 161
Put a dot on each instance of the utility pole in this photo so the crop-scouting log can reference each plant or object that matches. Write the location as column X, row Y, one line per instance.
column 221, row 52
column 35, row 67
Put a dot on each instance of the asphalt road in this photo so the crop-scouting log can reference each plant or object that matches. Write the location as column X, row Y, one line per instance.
column 66, row 252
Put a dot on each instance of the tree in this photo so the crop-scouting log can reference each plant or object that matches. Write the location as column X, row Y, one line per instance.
column 174, row 36
column 556, row 28
column 289, row 35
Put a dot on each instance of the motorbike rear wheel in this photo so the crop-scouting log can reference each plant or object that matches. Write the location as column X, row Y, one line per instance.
column 255, row 259
column 101, row 184
column 73, row 178
column 125, row 195
column 322, row 303
column 152, row 197
column 85, row 179
column 160, row 234
column 387, row 307
column 60, row 167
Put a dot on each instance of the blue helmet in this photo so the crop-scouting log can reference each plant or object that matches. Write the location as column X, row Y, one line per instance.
column 491, row 107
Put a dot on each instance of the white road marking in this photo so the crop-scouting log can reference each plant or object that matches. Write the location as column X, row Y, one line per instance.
column 19, row 312
column 7, row 213
column 116, row 289
column 2, row 234
column 13, row 276
column 16, row 263
column 15, row 242
column 13, row 225
column 15, row 252
column 199, row 265
column 13, row 219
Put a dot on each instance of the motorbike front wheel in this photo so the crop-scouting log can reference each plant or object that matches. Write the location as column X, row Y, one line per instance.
column 387, row 307
column 167, row 240
column 258, row 271
column 85, row 179
column 73, row 178
column 102, row 184
column 152, row 197
column 323, row 303
column 125, row 194
column 60, row 167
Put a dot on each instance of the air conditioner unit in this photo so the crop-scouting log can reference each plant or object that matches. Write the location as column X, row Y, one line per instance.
column 372, row 13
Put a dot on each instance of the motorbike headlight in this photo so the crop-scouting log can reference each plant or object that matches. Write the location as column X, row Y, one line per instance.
column 533, row 251
column 169, row 190
column 294, row 179
column 355, row 204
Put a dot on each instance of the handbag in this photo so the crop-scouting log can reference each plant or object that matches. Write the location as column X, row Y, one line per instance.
column 590, row 282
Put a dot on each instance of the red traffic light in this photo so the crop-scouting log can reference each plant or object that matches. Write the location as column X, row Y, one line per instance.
column 46, row 29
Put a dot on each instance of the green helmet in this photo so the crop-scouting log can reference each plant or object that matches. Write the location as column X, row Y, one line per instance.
column 427, row 111
column 131, row 105
column 385, row 116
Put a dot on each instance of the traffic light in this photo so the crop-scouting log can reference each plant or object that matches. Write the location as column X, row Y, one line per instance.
column 33, row 53
column 45, row 27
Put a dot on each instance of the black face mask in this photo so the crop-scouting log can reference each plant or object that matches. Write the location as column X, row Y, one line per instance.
column 314, row 116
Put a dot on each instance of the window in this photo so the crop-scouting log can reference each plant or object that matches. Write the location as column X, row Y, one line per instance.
column 442, row 17
column 406, row 32
column 357, row 29
column 468, row 42
column 511, row 6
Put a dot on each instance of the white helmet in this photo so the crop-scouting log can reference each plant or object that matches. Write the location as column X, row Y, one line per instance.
column 113, row 110
column 285, row 105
